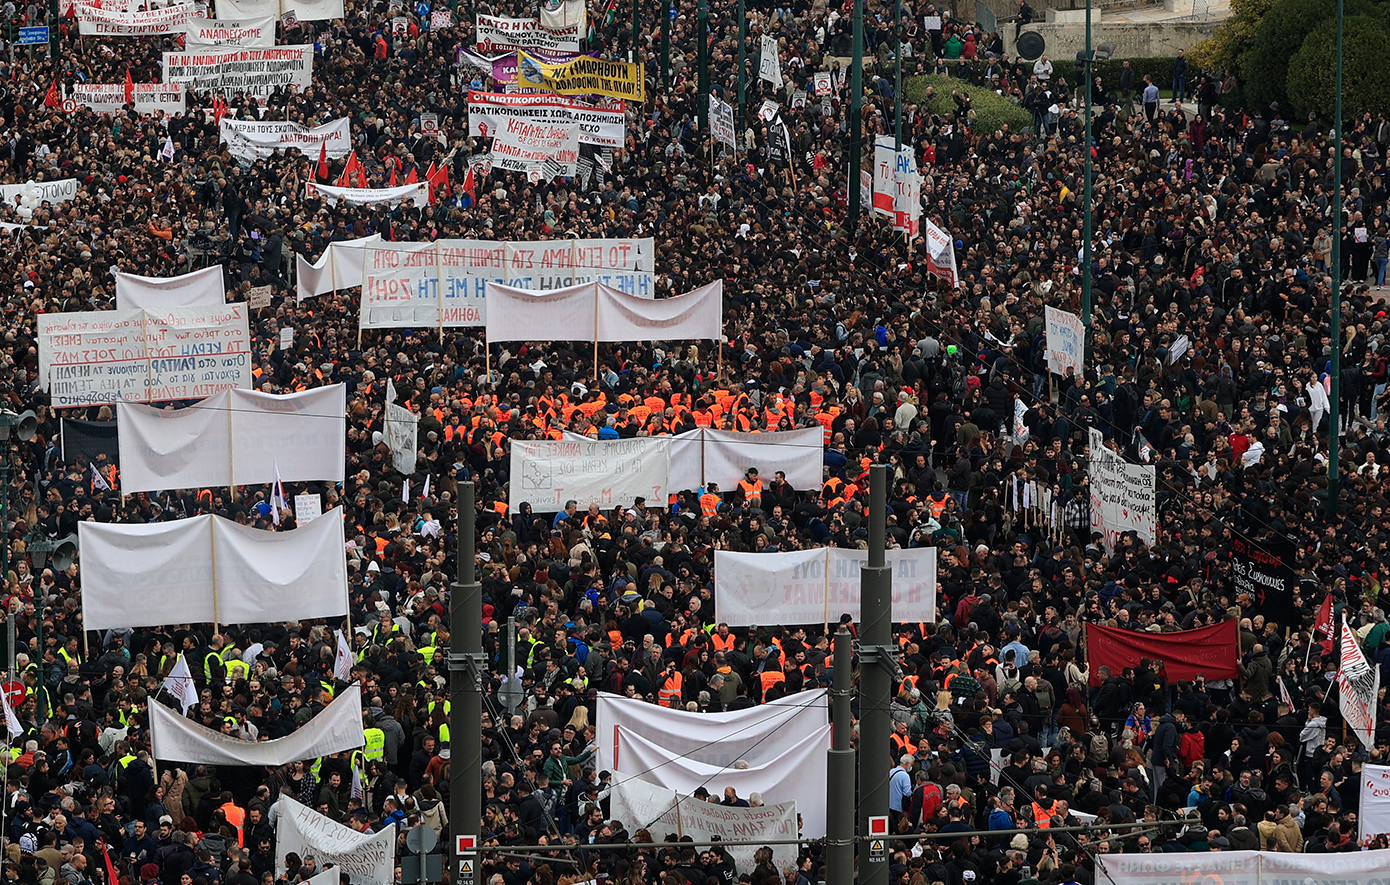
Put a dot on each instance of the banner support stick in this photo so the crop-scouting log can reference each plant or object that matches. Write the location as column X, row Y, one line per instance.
column 598, row 379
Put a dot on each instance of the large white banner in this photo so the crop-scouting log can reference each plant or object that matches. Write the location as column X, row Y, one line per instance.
column 1066, row 341
column 542, row 150
column 414, row 285
column 47, row 191
column 207, row 569
column 258, row 139
column 561, row 14
column 142, row 356
column 756, row 735
column 1358, row 688
column 496, row 34
column 240, row 437
column 603, row 126
column 368, row 858
column 336, row 728
column 798, row 775
column 1246, row 868
column 1375, row 800
column 907, row 193
column 201, row 288
column 817, row 586
column 367, row 196
column 98, row 22
column 339, row 267
column 313, row 10
column 640, row 805
column 150, row 98
column 1122, row 494
column 594, row 312
column 255, row 72
column 251, row 33
column 402, row 432
column 605, row 472
column 728, row 454
column 885, row 186
column 244, row 9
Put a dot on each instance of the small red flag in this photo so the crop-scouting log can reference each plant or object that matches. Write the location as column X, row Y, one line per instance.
column 470, row 186
column 129, row 87
column 393, row 175
column 345, row 179
column 322, row 173
column 52, row 98
column 411, row 177
column 359, row 172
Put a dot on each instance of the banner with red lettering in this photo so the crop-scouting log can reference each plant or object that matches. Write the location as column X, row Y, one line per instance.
column 1210, row 651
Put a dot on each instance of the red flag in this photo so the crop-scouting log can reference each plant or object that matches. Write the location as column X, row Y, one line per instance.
column 1210, row 651
column 322, row 173
column 438, row 178
column 110, row 867
column 1322, row 627
column 393, row 175
column 219, row 109
column 429, row 174
column 129, row 87
column 412, row 177
column 470, row 186
column 53, row 99
column 345, row 179
column 359, row 172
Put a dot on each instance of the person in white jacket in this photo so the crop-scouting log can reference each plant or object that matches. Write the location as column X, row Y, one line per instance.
column 1318, row 405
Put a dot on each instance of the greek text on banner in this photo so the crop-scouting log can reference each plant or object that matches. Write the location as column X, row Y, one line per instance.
column 497, row 34
column 256, row 72
column 816, row 586
column 583, row 76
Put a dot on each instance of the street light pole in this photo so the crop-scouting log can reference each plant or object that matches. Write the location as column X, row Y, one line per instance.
column 22, row 426
column 856, row 97
column 1334, row 432
column 742, row 73
column 897, row 78
column 1086, row 206
column 666, row 43
column 467, row 666
column 702, row 46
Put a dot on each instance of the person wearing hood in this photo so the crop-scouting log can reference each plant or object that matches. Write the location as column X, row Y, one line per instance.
column 1257, row 671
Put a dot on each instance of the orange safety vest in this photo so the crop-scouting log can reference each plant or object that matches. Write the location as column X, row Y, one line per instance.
column 670, row 694
column 752, row 491
column 770, row 678
column 709, row 503
column 236, row 817
column 901, row 744
column 725, row 643
column 1042, row 817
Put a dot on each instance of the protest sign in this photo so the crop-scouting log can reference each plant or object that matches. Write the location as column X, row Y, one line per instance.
column 769, row 64
column 907, row 193
column 496, row 34
column 252, row 33
column 817, row 586
column 885, row 189
column 46, row 191
column 604, row 126
column 1375, row 800
column 93, row 21
column 519, row 146
column 721, row 122
column 1122, row 495
column 254, row 72
column 99, row 357
column 258, row 139
column 1066, row 341
column 583, row 76
column 150, row 98
column 367, row 196
column 307, row 508
column 610, row 473
column 822, row 84
column 259, row 297
column 1264, row 570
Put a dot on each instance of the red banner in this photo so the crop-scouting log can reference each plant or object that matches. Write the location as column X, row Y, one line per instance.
column 1210, row 651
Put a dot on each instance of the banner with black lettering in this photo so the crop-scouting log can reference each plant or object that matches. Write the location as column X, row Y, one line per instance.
column 1264, row 570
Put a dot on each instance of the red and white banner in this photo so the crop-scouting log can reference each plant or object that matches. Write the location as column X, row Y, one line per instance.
column 367, row 196
column 109, row 98
column 603, row 126
column 541, row 150
column 258, row 139
column 884, row 189
column 1358, row 687
column 941, row 253
column 93, row 21
column 497, row 34
column 251, row 33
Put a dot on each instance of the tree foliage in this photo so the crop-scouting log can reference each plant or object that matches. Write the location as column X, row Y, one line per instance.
column 1236, row 36
column 1311, row 75
column 1264, row 66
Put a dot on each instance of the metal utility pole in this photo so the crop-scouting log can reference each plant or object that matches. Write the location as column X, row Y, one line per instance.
column 897, row 78
column 467, row 669
column 856, row 124
column 742, row 69
column 636, row 31
column 666, row 43
column 1087, row 208
column 839, row 828
column 1334, row 432
column 702, row 46
column 878, row 660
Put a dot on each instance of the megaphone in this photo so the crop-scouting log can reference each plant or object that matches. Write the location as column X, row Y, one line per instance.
column 25, row 425
column 64, row 553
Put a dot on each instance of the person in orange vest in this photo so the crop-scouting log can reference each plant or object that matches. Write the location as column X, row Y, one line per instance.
column 752, row 488
column 709, row 501
column 722, row 638
column 669, row 695
column 235, row 816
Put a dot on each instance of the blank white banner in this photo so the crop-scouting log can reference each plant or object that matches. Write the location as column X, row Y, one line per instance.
column 756, row 735
column 336, row 728
column 339, row 267
column 817, row 586
column 798, row 453
column 798, row 775
column 210, row 570
column 697, row 315
column 595, row 312
column 566, row 314
column 237, row 437
column 610, row 473
column 202, row 288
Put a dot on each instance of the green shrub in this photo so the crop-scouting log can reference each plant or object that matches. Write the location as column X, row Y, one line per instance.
column 1161, row 69
column 992, row 111
column 1365, row 76
column 1264, row 68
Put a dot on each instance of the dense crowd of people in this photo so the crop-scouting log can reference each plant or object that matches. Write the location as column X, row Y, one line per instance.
column 1209, row 356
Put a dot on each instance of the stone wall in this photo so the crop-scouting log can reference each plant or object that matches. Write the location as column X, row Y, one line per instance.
column 1132, row 40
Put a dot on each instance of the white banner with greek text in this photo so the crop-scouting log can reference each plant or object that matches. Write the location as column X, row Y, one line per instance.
column 1066, row 341
column 368, row 858
column 496, row 34
column 603, row 126
column 254, row 72
column 609, row 473
column 258, row 139
column 150, row 98
column 93, row 21
column 251, row 33
column 817, row 586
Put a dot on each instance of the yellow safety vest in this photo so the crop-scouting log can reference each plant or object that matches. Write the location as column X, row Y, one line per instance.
column 375, row 748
